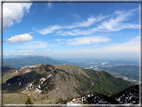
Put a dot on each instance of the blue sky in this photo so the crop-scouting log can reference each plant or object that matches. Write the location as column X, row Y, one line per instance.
column 72, row 30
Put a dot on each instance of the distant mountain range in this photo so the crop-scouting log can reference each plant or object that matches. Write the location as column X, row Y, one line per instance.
column 60, row 81
column 31, row 60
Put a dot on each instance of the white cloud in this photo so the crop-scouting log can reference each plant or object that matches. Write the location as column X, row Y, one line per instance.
column 132, row 45
column 33, row 45
column 90, row 21
column 21, row 51
column 9, row 54
column 60, row 41
column 25, row 51
column 50, row 5
column 25, row 54
column 50, row 29
column 87, row 40
column 47, row 50
column 113, row 22
column 14, row 12
column 6, row 54
column 77, row 32
column 76, row 16
column 116, row 24
column 20, row 38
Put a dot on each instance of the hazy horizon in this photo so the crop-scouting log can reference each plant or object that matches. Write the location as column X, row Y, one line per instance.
column 77, row 59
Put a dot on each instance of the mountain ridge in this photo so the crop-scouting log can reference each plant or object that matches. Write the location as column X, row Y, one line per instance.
column 126, row 96
column 62, row 81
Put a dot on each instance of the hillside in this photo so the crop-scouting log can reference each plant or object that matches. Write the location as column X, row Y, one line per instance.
column 7, row 68
column 61, row 81
column 127, row 72
column 127, row 96
column 95, row 81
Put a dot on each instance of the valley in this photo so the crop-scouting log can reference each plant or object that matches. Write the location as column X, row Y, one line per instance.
column 127, row 70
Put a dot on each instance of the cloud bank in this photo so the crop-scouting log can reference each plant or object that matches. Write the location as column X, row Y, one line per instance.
column 87, row 40
column 25, row 51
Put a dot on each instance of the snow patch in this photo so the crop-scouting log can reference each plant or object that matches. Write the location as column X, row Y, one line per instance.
column 37, row 90
column 42, row 80
column 75, row 105
column 28, row 70
column 29, row 86
column 73, row 99
column 47, row 100
column 33, row 66
column 49, row 76
column 118, row 99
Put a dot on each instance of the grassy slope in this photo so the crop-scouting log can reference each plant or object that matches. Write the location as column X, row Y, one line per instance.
column 18, row 98
column 103, row 82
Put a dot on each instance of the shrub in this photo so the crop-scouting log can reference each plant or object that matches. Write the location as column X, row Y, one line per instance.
column 28, row 101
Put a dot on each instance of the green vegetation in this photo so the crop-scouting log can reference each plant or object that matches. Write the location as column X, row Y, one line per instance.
column 14, row 98
column 28, row 101
column 102, row 82
column 130, row 71
column 7, row 68
column 61, row 101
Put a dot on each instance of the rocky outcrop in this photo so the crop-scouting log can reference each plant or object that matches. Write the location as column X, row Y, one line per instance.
column 128, row 96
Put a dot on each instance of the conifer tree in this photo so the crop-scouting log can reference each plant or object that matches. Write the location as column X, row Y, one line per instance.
column 28, row 101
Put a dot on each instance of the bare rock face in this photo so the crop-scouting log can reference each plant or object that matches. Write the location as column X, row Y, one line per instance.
column 64, row 86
